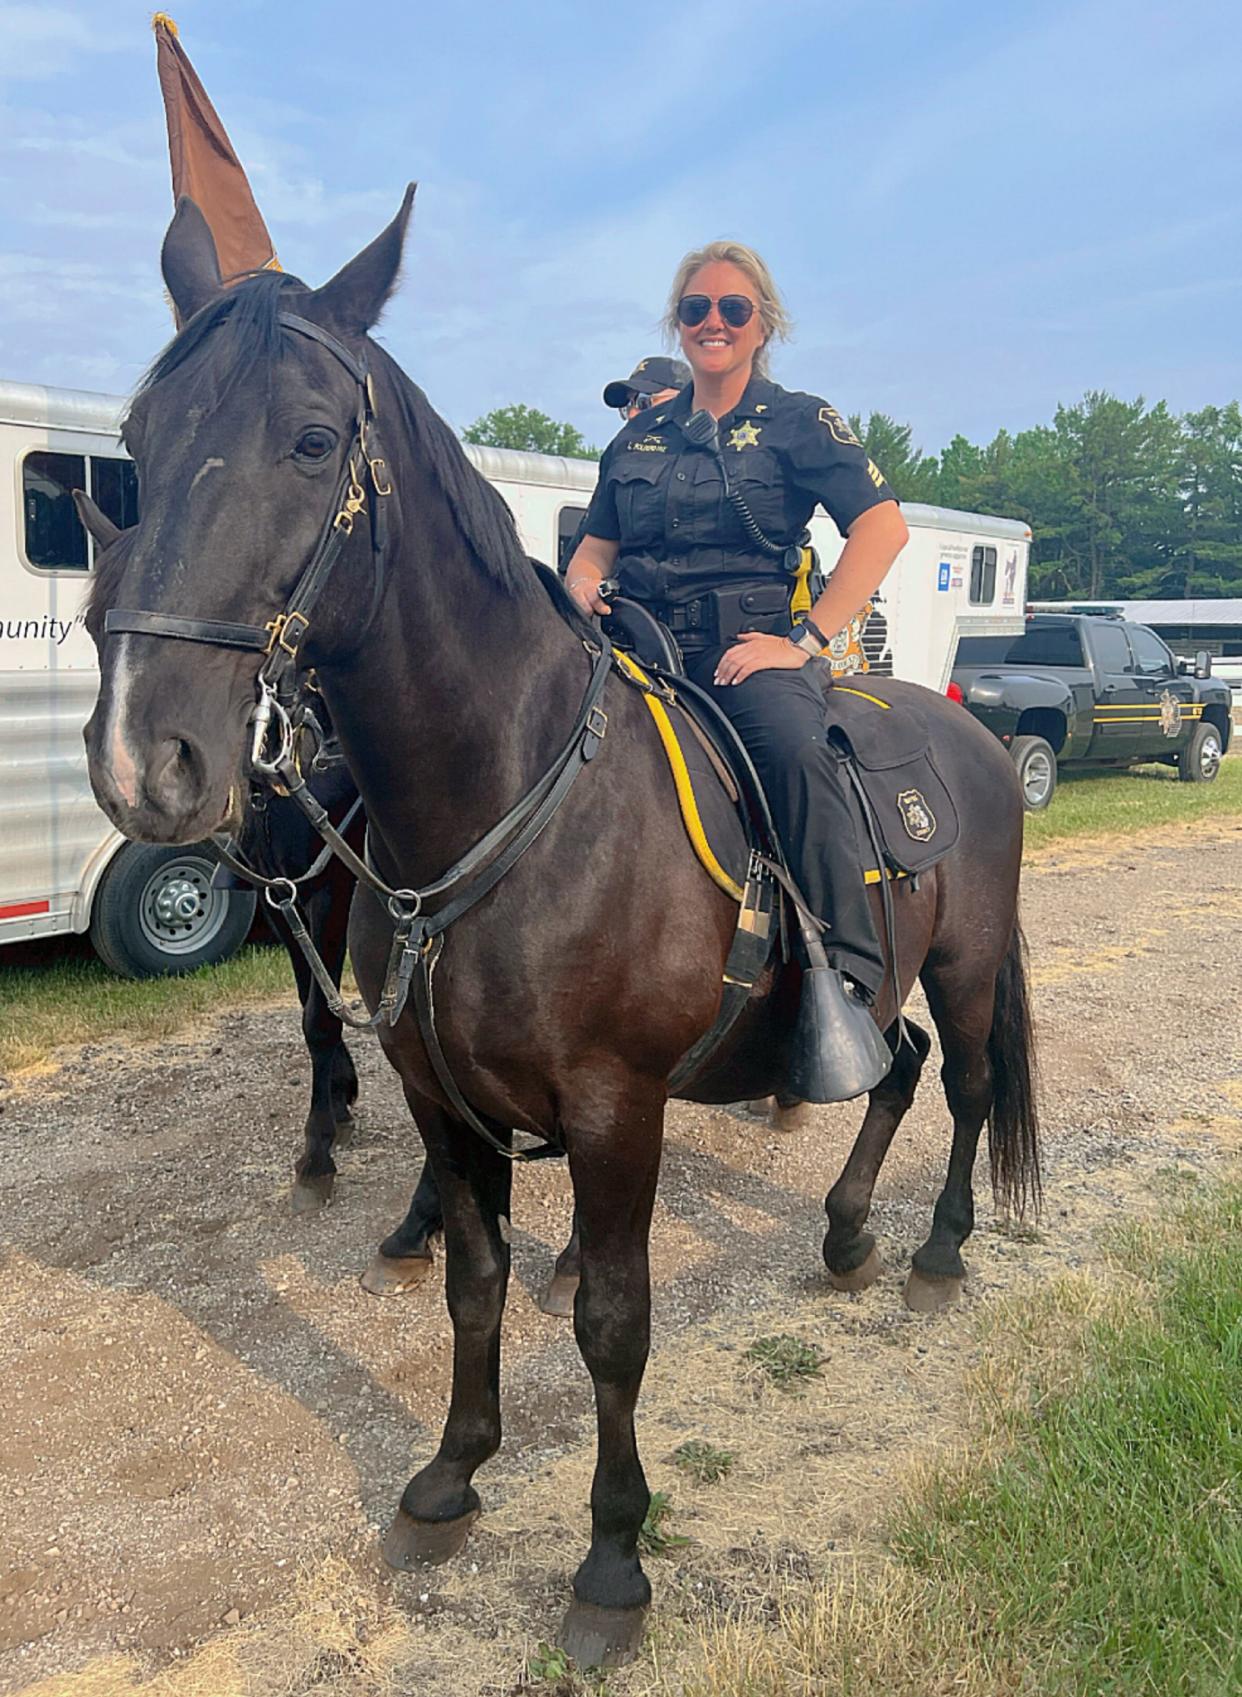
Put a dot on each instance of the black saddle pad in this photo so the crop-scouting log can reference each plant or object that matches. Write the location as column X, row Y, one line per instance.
column 892, row 759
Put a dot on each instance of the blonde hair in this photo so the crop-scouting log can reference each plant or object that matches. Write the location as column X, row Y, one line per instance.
column 772, row 314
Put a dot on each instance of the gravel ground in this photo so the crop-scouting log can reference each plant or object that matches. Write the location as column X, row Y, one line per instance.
column 201, row 1411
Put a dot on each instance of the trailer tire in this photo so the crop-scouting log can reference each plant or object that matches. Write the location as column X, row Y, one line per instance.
column 1200, row 760
column 1037, row 771
column 156, row 914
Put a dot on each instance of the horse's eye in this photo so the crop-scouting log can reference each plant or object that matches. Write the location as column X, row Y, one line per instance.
column 315, row 444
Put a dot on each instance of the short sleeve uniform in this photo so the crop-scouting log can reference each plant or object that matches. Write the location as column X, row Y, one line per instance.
column 662, row 497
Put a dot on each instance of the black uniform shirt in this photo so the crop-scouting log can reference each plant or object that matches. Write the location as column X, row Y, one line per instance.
column 662, row 497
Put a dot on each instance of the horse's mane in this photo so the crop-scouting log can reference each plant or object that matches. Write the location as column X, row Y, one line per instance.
column 482, row 514
column 250, row 313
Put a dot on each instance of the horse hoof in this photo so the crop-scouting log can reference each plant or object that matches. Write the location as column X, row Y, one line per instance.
column 925, row 1292
column 410, row 1543
column 760, row 1107
column 558, row 1299
column 309, row 1195
column 861, row 1278
column 789, row 1116
column 393, row 1275
column 601, row 1638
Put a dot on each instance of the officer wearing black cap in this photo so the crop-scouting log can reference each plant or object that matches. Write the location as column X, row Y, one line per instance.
column 699, row 512
column 651, row 382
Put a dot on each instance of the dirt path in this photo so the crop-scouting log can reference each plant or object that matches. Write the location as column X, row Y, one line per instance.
column 203, row 1419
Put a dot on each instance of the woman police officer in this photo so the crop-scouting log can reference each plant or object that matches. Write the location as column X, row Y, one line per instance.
column 666, row 522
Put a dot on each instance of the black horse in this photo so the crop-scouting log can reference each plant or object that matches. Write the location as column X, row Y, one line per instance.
column 565, row 998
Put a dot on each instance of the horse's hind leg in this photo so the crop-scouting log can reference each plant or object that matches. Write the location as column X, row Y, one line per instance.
column 404, row 1258
column 440, row 1504
column 850, row 1254
column 614, row 1189
column 963, row 1021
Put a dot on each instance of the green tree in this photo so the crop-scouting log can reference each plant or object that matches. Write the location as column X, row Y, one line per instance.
column 1208, row 557
column 913, row 475
column 525, row 427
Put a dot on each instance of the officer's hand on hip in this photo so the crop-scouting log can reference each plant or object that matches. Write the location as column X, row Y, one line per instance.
column 755, row 651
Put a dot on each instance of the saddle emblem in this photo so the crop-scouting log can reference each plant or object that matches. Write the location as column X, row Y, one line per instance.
column 916, row 816
column 1170, row 714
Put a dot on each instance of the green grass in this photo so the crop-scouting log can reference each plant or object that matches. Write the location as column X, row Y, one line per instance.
column 75, row 999
column 703, row 1461
column 1128, row 802
column 1104, row 1551
column 788, row 1361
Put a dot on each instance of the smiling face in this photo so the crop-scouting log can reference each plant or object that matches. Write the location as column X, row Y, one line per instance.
column 714, row 349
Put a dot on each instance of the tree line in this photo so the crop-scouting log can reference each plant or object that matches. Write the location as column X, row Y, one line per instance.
column 1125, row 501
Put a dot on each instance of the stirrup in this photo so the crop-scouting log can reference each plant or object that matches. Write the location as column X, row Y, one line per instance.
column 839, row 1051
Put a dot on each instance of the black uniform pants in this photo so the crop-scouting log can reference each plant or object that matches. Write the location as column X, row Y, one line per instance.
column 780, row 716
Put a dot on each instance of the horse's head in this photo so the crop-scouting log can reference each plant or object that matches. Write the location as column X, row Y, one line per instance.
column 243, row 434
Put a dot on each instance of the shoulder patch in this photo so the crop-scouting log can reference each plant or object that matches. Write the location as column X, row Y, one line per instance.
column 875, row 474
column 838, row 428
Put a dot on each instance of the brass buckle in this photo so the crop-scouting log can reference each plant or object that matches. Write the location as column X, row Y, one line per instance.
column 379, row 475
column 355, row 501
column 291, row 648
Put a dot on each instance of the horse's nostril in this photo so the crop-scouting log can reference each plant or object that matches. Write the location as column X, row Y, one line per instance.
column 176, row 773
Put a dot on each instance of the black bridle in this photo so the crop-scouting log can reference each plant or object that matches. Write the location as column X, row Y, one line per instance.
column 418, row 924
column 280, row 639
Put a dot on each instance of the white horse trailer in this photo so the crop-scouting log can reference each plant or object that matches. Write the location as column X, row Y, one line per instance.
column 149, row 910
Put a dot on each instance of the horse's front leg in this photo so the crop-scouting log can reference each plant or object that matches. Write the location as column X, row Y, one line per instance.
column 440, row 1504
column 614, row 1172
column 404, row 1258
column 334, row 1083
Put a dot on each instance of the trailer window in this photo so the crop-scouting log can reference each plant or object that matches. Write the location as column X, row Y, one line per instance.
column 114, row 485
column 568, row 524
column 982, row 576
column 55, row 539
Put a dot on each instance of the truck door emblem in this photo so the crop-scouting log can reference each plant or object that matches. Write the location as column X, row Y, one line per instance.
column 1170, row 713
column 916, row 816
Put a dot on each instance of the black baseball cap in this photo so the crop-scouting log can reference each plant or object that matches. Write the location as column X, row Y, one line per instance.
column 648, row 377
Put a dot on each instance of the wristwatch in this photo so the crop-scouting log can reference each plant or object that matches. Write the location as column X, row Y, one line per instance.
column 807, row 636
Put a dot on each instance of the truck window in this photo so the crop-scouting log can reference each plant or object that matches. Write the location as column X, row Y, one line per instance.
column 1112, row 651
column 54, row 537
column 568, row 523
column 982, row 576
column 1151, row 657
column 1046, row 645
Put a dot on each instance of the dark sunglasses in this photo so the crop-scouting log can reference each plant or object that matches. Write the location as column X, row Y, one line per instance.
column 734, row 310
column 636, row 403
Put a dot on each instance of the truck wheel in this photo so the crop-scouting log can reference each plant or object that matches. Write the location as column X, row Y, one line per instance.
column 156, row 913
column 1200, row 761
column 1037, row 771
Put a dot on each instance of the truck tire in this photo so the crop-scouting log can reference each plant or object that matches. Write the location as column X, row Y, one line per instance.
column 1199, row 761
column 156, row 914
column 1037, row 771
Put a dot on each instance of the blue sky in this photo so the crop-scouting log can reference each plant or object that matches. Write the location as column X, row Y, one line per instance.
column 975, row 211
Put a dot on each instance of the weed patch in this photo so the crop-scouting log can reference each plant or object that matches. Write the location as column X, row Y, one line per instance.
column 788, row 1361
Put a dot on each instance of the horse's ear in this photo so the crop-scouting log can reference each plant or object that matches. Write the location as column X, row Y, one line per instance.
column 189, row 262
column 351, row 302
column 97, row 523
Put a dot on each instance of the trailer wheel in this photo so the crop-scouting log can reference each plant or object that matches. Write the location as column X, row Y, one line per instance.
column 1200, row 761
column 156, row 913
column 1037, row 771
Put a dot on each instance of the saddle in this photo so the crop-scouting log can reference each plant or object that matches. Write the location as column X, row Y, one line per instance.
column 902, row 807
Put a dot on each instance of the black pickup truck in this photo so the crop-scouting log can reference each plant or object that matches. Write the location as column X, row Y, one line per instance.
column 1093, row 690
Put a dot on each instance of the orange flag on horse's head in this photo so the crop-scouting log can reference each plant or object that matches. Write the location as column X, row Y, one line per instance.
column 204, row 165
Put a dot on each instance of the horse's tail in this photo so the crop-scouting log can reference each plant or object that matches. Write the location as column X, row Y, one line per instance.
column 1013, row 1123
